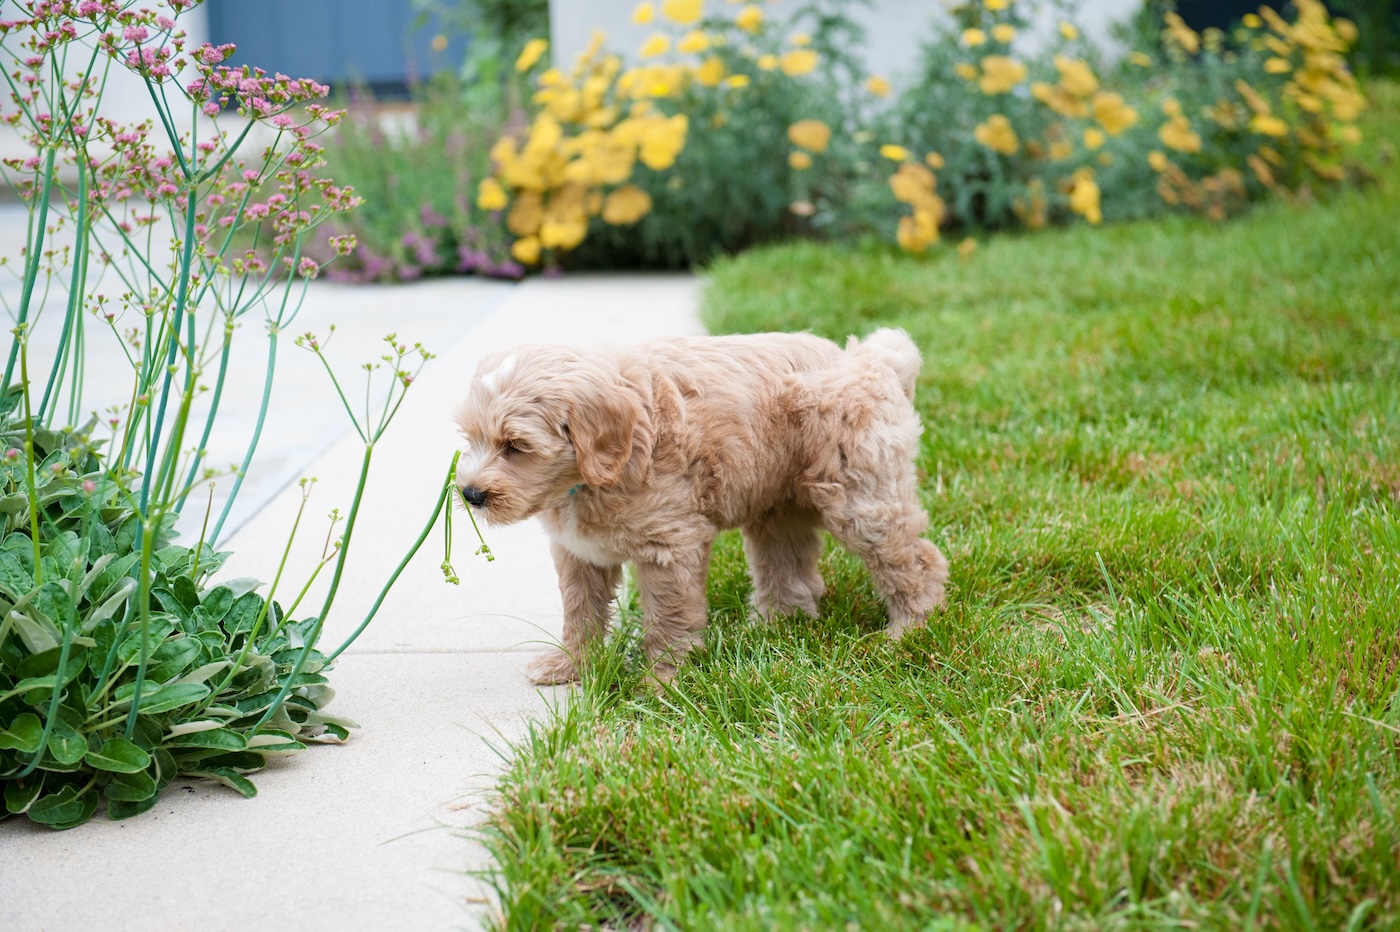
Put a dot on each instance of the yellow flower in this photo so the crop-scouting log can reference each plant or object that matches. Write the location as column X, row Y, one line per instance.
column 694, row 41
column 917, row 233
column 966, row 248
column 812, row 135
column 934, row 161
column 799, row 62
column 1093, row 138
column 800, row 39
column 996, row 134
column 530, row 54
column 750, row 18
column 1003, row 32
column 563, row 234
column 973, row 37
column 526, row 251
column 1069, row 31
column 654, row 46
column 1171, row 107
column 1349, row 135
column 526, row 214
column 1115, row 116
column 684, row 12
column 1252, row 21
column 1346, row 29
column 627, row 204
column 490, row 195
column 1158, row 160
column 996, row 6
column 1181, row 34
column 1261, row 170
column 643, row 14
column 1084, row 196
column 894, row 153
column 1141, row 59
column 710, row 72
column 800, row 160
column 737, row 80
column 1060, row 150
column 1277, row 65
column 877, row 86
column 1177, row 134
column 1268, row 125
column 662, row 141
column 1000, row 74
column 767, row 62
column 1059, row 100
column 1076, row 76
column 966, row 70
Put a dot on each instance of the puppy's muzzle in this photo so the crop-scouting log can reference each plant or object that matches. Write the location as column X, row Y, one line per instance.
column 473, row 496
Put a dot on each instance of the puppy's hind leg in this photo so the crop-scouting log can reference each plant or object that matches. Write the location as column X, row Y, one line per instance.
column 783, row 547
column 588, row 592
column 884, row 531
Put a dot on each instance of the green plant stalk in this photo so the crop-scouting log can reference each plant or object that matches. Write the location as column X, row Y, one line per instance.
column 32, row 486
column 144, row 608
column 187, row 257
column 262, row 614
column 70, row 629
column 257, row 433
column 427, row 529
column 330, row 595
column 31, row 264
column 213, row 412
column 75, row 290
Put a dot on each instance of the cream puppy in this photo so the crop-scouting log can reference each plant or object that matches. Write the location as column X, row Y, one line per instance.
column 644, row 453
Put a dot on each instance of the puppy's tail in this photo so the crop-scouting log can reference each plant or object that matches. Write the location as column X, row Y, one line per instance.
column 893, row 348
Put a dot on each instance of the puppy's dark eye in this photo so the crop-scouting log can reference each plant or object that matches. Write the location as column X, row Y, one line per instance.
column 511, row 448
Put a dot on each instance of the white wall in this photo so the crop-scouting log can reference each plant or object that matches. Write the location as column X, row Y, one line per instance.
column 894, row 28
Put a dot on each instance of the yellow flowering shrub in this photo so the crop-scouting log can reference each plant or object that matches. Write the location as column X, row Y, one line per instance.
column 727, row 129
column 1058, row 135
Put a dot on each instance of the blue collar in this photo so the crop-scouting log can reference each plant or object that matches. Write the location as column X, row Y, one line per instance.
column 574, row 490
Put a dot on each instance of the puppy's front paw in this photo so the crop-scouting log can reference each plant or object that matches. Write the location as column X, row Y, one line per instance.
column 552, row 668
column 898, row 628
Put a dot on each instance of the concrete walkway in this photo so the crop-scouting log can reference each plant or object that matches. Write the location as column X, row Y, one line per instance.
column 368, row 835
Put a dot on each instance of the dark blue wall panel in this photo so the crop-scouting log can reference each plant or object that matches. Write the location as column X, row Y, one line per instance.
column 334, row 41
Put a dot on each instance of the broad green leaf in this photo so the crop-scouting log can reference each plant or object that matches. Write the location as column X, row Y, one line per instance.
column 275, row 743
column 216, row 603
column 243, row 613
column 333, row 734
column 242, row 586
column 188, row 728
column 65, row 743
column 221, row 739
column 131, row 787
column 118, row 755
column 203, row 673
column 230, row 778
column 92, row 574
column 118, row 809
column 88, row 802
column 241, row 761
column 57, row 808
column 160, row 627
column 37, row 632
column 114, row 600
column 25, row 734
column 172, row 657
column 15, row 580
column 20, row 794
column 173, row 697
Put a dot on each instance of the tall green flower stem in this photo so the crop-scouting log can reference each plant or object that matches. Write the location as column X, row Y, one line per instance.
column 449, row 487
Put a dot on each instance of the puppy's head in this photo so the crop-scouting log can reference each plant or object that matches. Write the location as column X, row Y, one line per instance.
column 542, row 421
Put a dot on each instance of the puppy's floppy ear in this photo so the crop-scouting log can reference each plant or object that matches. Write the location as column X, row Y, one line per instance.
column 603, row 423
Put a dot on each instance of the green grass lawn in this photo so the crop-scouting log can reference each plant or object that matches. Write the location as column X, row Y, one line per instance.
column 1164, row 461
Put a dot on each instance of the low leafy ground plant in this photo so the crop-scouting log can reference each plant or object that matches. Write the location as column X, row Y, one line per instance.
column 123, row 662
column 1165, row 466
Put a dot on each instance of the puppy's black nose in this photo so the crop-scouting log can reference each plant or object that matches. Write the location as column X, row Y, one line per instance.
column 473, row 496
